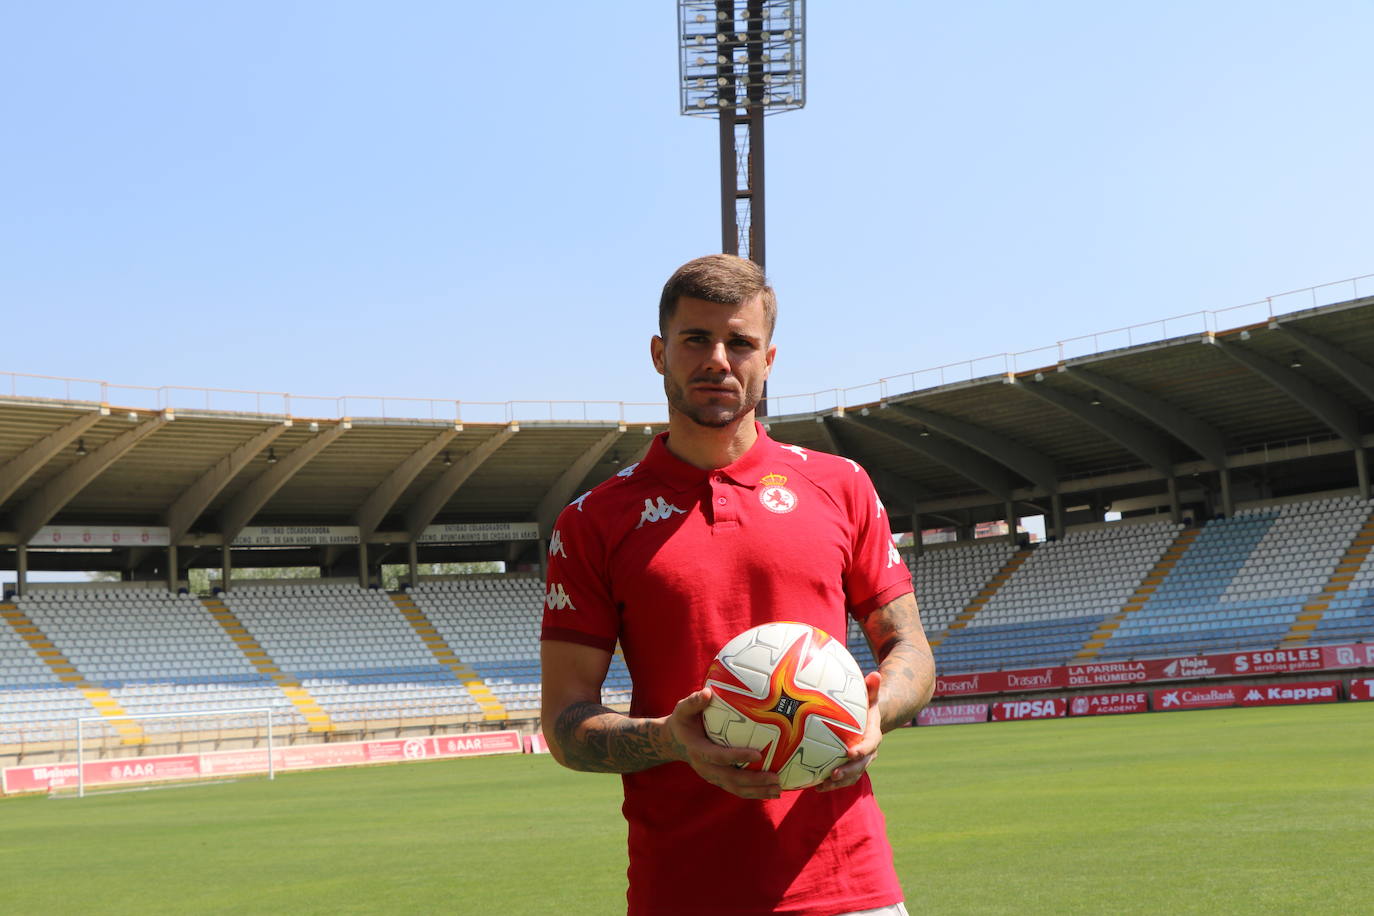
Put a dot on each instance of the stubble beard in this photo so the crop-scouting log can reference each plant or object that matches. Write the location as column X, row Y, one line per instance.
column 710, row 416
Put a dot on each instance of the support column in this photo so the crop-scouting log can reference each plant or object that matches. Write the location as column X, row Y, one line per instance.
column 918, row 546
column 21, row 569
column 1228, row 505
column 226, row 568
column 543, row 559
column 172, row 568
column 1057, row 516
column 1175, row 510
column 1362, row 472
column 413, row 558
column 362, row 563
column 1010, row 513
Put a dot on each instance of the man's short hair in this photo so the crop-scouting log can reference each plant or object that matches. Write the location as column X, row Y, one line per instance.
column 723, row 278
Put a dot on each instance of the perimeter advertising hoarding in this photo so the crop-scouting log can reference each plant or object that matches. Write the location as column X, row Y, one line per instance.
column 954, row 685
column 1362, row 689
column 953, row 714
column 1208, row 697
column 1109, row 704
column 136, row 770
column 1291, row 693
column 1016, row 710
column 1098, row 674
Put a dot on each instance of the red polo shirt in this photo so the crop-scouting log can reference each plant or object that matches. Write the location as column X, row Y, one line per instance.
column 673, row 561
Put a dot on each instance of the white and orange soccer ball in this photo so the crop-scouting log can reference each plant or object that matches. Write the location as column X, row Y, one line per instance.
column 791, row 692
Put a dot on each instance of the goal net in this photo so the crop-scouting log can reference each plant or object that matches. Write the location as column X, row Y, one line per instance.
column 163, row 748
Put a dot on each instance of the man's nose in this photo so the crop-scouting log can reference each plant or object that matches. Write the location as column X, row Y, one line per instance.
column 718, row 359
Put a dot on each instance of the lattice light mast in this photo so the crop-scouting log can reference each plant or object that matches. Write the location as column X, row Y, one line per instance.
column 740, row 60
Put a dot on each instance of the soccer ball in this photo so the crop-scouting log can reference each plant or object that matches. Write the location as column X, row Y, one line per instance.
column 791, row 692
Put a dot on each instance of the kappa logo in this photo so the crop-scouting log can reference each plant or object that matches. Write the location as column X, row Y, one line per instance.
column 556, row 545
column 796, row 450
column 853, row 464
column 657, row 512
column 879, row 500
column 578, row 502
column 894, row 557
column 557, row 599
column 627, row 471
column 775, row 496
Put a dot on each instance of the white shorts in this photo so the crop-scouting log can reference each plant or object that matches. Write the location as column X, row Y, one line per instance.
column 897, row 909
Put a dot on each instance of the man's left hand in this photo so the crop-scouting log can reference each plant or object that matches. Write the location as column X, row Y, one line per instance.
column 863, row 753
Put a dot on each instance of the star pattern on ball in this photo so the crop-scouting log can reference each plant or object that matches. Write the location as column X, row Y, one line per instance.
column 788, row 710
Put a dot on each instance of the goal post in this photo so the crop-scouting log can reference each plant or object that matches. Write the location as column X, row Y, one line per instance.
column 87, row 729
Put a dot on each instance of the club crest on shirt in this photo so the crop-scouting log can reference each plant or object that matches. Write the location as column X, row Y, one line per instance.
column 775, row 496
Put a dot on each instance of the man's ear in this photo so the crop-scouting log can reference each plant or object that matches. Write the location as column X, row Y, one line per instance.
column 656, row 353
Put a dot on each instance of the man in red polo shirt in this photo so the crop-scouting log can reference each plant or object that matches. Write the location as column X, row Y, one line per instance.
column 717, row 530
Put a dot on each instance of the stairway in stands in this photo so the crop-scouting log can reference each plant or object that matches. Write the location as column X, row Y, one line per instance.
column 129, row 731
column 317, row 720
column 1167, row 561
column 1345, row 570
column 492, row 708
column 985, row 594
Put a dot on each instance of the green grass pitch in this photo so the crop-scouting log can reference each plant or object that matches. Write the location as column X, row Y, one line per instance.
column 1226, row 811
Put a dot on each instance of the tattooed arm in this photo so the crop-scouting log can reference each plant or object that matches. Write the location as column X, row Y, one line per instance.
column 585, row 735
column 900, row 687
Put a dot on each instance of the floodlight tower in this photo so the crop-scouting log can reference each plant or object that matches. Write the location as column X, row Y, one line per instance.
column 740, row 60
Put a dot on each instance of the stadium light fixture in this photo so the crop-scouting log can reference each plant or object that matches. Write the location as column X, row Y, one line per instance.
column 1096, row 400
column 448, row 460
column 81, row 448
column 271, row 455
column 1295, row 362
column 925, row 432
column 739, row 60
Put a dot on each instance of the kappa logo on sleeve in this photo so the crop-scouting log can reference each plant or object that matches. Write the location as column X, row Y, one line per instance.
column 578, row 502
column 879, row 501
column 894, row 557
column 657, row 512
column 796, row 450
column 557, row 599
column 556, row 545
column 627, row 471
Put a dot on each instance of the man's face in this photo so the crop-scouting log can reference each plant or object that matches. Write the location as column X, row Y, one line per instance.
column 714, row 359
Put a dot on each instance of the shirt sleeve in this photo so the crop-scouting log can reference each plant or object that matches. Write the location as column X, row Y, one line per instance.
column 877, row 574
column 578, row 606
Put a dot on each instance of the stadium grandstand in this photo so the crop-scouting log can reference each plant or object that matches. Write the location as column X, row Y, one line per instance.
column 1231, row 464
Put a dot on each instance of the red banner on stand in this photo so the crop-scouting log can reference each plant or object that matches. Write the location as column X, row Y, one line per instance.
column 1109, row 704
column 1360, row 655
column 1016, row 710
column 1000, row 681
column 1362, row 689
column 1197, row 667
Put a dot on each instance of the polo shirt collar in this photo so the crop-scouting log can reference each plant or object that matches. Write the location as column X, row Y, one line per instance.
column 680, row 475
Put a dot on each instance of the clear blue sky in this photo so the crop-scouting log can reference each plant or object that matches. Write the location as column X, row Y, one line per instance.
column 481, row 200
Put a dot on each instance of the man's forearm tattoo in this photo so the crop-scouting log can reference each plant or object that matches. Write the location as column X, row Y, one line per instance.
column 597, row 739
column 904, row 660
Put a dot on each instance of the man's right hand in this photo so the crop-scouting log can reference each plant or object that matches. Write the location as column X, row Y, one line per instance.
column 719, row 765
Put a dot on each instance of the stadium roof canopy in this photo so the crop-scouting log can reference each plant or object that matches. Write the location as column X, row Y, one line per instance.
column 1191, row 424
